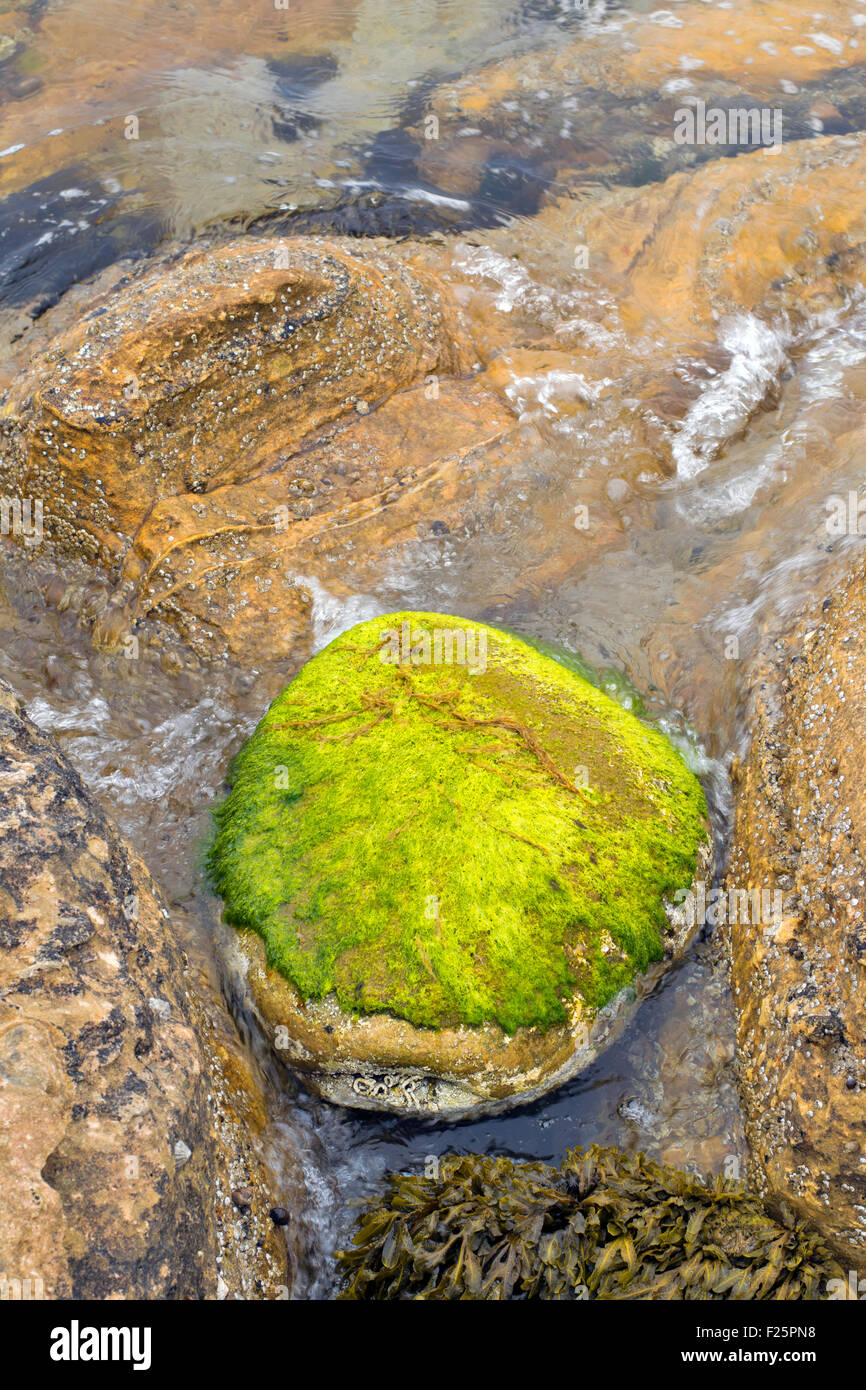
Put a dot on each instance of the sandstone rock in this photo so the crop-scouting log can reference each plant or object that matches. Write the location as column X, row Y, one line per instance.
column 668, row 263
column 200, row 375
column 452, row 873
column 126, row 1112
column 798, row 974
column 229, row 569
column 672, row 342
column 743, row 238
column 642, row 51
column 199, row 428
column 697, row 291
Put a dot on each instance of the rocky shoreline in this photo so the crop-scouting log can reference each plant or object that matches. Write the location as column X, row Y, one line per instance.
column 128, row 1117
column 798, row 975
column 237, row 449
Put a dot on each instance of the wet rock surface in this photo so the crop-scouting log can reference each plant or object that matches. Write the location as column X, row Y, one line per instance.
column 672, row 383
column 231, row 473
column 199, row 375
column 127, row 1111
column 798, row 973
column 205, row 426
column 672, row 265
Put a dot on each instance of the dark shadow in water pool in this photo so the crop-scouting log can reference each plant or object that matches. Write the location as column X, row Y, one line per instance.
column 63, row 229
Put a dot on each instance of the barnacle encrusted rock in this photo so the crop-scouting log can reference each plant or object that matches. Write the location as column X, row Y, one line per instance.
column 450, row 858
column 602, row 1225
column 197, row 375
column 127, row 1112
column 798, row 974
column 208, row 421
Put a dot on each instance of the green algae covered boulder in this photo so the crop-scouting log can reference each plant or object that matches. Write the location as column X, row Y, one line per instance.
column 452, row 860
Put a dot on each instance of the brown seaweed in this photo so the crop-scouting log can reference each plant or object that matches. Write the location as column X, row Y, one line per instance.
column 603, row 1225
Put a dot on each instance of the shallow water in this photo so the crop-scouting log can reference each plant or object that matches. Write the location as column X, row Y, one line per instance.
column 239, row 116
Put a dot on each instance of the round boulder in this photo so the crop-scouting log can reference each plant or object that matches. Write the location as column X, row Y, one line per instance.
column 453, row 863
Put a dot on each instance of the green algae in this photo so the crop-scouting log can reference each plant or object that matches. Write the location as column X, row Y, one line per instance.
column 454, row 845
column 603, row 1225
column 607, row 678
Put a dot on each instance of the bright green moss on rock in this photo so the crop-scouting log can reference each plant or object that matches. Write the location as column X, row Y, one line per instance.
column 454, row 843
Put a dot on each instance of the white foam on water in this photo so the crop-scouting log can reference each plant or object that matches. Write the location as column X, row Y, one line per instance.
column 733, row 494
column 439, row 200
column 411, row 191
column 516, row 285
column 131, row 762
column 839, row 343
column 758, row 357
column 828, row 43
column 545, row 392
column 331, row 615
column 509, row 274
column 92, row 716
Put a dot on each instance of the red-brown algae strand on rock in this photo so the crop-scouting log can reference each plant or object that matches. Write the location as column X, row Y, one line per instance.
column 200, row 373
column 798, row 981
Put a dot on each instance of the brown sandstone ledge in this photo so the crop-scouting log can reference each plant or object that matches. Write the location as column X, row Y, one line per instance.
column 127, row 1116
column 800, row 983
